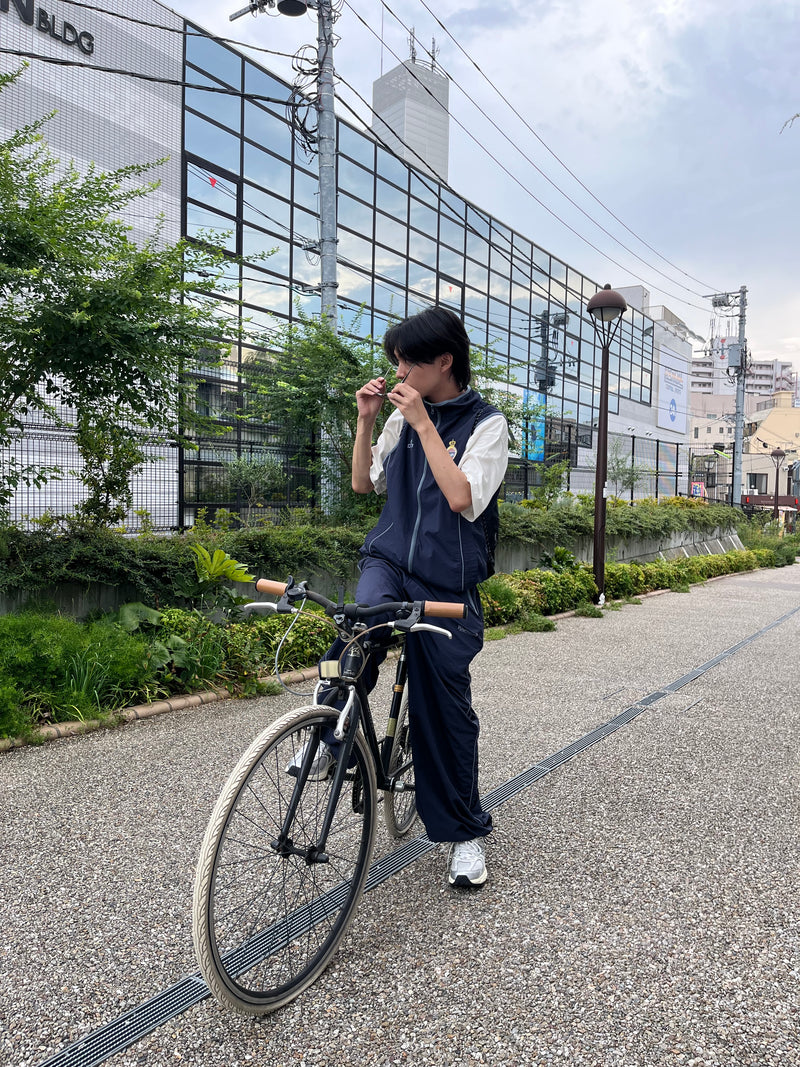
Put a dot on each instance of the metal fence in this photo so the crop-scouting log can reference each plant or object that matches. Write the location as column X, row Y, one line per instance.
column 291, row 471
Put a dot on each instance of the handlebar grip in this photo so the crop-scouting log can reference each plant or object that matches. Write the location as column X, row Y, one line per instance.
column 444, row 610
column 266, row 585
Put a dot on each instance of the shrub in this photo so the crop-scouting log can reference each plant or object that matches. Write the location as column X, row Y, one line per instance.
column 499, row 600
column 53, row 669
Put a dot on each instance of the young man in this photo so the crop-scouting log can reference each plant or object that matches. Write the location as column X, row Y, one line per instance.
column 440, row 461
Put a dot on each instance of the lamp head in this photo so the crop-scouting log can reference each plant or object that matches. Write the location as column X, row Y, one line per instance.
column 606, row 308
column 607, row 305
column 292, row 7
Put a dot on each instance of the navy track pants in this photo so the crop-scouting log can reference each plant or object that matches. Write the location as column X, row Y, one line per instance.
column 444, row 727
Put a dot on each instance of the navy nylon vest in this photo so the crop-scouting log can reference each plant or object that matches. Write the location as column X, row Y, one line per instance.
column 417, row 530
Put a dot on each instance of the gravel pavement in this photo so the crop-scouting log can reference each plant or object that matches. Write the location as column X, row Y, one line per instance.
column 643, row 906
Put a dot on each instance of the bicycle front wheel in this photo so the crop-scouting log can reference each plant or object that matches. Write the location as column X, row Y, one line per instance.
column 266, row 919
column 400, row 808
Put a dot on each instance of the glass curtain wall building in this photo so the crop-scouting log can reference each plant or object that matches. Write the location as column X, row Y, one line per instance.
column 157, row 86
column 404, row 241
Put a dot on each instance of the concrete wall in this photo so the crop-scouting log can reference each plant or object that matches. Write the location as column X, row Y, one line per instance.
column 515, row 555
column 77, row 600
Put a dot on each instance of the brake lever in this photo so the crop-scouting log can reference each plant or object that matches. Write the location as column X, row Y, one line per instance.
column 432, row 629
column 259, row 607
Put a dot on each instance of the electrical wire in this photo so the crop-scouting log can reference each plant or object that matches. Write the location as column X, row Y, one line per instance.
column 550, row 151
column 520, row 183
column 518, row 148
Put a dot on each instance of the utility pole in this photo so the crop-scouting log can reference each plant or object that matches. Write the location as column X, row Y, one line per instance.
column 326, row 146
column 738, row 361
column 326, row 140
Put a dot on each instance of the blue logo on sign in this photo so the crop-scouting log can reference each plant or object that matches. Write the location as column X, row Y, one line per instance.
column 673, row 410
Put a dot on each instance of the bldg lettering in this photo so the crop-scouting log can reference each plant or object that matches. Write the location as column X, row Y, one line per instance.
column 47, row 23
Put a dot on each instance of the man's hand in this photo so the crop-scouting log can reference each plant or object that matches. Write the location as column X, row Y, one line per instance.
column 369, row 398
column 409, row 403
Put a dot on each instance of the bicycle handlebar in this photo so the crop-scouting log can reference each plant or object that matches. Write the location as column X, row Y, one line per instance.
column 436, row 608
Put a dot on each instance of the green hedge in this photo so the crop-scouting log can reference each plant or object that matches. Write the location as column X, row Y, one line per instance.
column 151, row 567
column 564, row 522
column 53, row 669
column 509, row 597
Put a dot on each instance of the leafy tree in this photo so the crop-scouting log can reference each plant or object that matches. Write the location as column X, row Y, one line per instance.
column 89, row 320
column 552, row 482
column 257, row 479
column 307, row 381
column 110, row 455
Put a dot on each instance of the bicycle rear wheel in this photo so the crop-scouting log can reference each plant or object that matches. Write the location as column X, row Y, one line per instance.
column 400, row 809
column 265, row 924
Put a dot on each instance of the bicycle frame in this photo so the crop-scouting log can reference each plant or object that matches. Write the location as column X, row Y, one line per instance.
column 356, row 711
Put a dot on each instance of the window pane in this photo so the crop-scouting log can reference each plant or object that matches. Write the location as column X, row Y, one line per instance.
column 392, row 168
column 452, row 233
column 476, row 275
column 355, row 250
column 213, row 57
column 306, row 189
column 391, row 233
column 390, row 265
column 421, row 278
column 423, row 217
column 355, row 215
column 355, row 180
column 421, row 247
column 218, row 106
column 391, row 200
column 265, row 210
column 305, row 225
column 255, row 243
column 206, row 224
column 268, row 171
column 451, row 263
column 204, row 185
column 211, row 142
column 258, row 83
column 356, row 146
column 267, row 130
column 426, row 189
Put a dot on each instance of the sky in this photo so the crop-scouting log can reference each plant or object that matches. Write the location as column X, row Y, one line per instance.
column 645, row 143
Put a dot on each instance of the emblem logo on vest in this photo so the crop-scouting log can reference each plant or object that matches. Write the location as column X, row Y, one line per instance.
column 452, row 451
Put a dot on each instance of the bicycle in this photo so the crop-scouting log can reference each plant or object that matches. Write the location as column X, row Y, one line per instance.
column 286, row 852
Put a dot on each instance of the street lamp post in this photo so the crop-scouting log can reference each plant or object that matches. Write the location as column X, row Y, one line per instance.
column 606, row 308
column 778, row 456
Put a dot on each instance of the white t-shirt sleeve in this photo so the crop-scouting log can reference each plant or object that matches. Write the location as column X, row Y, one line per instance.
column 388, row 438
column 484, row 461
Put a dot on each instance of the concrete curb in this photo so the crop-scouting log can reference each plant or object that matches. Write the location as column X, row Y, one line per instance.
column 141, row 711
column 211, row 696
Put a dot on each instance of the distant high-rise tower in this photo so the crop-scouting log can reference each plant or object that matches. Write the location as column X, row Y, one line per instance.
column 411, row 114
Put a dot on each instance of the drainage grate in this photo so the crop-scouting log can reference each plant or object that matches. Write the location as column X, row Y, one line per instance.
column 120, row 1033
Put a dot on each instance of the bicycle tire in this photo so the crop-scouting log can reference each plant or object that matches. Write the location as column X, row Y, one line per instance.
column 266, row 926
column 400, row 809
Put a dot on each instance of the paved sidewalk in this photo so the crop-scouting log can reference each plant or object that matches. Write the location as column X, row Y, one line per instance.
column 643, row 905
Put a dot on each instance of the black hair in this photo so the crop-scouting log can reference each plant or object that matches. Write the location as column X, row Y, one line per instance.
column 428, row 334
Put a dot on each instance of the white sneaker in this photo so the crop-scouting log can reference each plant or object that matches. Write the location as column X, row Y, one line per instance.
column 323, row 761
column 467, row 863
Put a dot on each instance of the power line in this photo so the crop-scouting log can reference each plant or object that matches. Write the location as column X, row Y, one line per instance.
column 517, row 147
column 521, row 184
column 557, row 158
column 159, row 79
